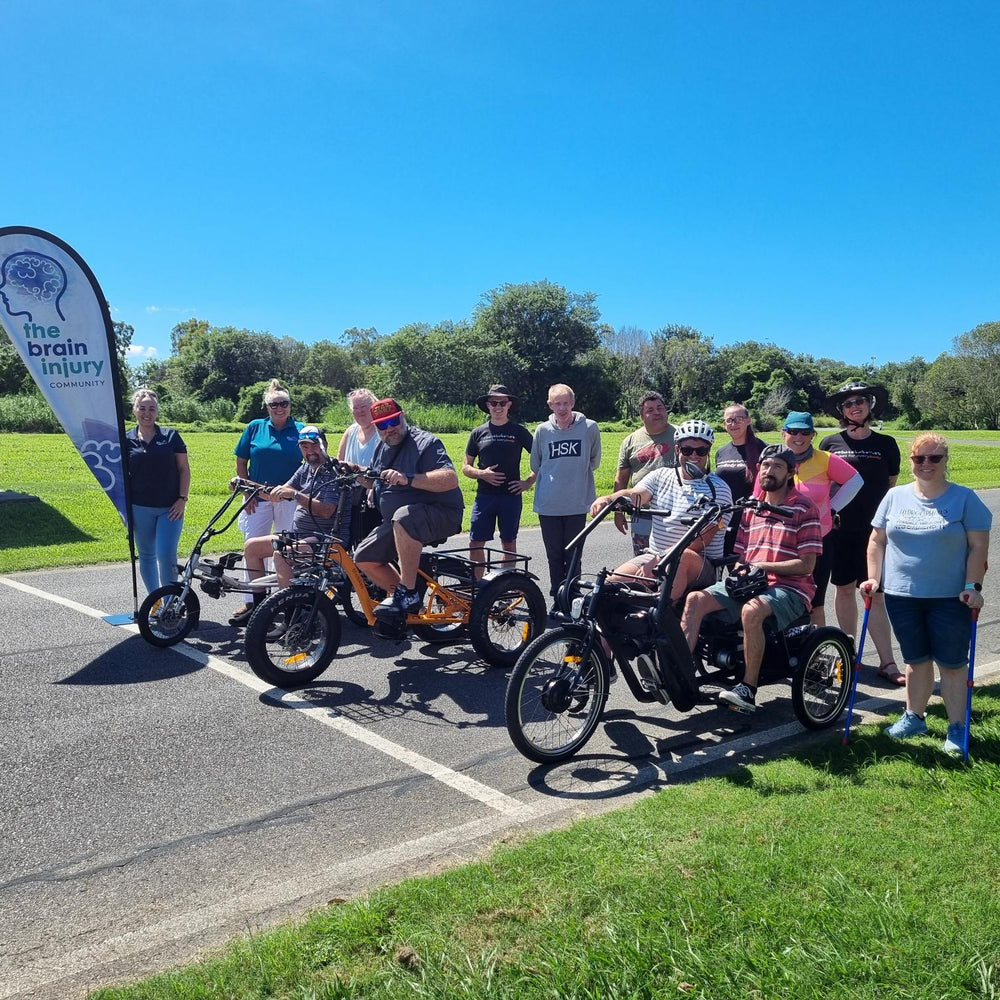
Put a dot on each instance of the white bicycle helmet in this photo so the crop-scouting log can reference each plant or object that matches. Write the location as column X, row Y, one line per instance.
column 695, row 429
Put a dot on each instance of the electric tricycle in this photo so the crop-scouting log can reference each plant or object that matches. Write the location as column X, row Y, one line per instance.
column 559, row 686
column 170, row 613
column 294, row 634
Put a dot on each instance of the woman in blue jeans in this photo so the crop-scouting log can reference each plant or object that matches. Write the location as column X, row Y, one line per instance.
column 160, row 476
column 928, row 549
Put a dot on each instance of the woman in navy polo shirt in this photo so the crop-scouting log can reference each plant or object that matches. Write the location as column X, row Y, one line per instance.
column 268, row 452
column 159, row 475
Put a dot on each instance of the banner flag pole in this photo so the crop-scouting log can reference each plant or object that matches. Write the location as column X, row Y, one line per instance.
column 56, row 316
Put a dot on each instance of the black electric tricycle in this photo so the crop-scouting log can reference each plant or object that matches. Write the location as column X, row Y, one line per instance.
column 559, row 686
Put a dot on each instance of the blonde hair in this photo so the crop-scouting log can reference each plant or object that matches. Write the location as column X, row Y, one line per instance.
column 273, row 388
column 559, row 388
column 929, row 437
column 142, row 394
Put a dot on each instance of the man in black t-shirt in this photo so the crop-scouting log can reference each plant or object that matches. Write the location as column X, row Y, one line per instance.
column 498, row 444
column 876, row 457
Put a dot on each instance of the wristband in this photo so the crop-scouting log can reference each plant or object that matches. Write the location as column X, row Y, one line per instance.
column 182, row 498
column 973, row 586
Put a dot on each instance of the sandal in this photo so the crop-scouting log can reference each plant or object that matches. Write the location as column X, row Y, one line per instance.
column 891, row 673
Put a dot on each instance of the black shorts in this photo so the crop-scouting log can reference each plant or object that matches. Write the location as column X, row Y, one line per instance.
column 821, row 573
column 425, row 522
column 848, row 556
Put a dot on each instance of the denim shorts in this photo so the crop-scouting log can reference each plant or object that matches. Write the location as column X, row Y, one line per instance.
column 931, row 628
column 502, row 510
column 786, row 604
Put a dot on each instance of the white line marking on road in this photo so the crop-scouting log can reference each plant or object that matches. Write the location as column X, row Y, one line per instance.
column 505, row 804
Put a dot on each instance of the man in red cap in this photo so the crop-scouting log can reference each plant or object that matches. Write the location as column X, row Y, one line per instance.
column 420, row 502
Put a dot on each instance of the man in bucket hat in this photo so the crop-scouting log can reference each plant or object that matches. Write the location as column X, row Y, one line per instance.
column 497, row 444
column 420, row 502
column 876, row 457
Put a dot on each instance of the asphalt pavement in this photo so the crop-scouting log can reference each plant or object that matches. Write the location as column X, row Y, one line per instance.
column 157, row 802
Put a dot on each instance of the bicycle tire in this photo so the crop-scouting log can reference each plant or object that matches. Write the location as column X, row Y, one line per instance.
column 164, row 622
column 821, row 682
column 288, row 644
column 552, row 706
column 507, row 614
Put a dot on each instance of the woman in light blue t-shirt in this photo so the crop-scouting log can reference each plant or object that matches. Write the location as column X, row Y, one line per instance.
column 928, row 550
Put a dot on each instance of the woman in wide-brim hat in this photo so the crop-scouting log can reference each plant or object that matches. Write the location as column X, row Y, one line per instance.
column 876, row 457
column 877, row 395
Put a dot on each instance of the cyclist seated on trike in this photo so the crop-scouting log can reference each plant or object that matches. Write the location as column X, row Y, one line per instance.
column 785, row 549
column 418, row 495
column 676, row 488
column 314, row 490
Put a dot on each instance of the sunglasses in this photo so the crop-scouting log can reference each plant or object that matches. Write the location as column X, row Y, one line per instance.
column 688, row 450
column 799, row 432
column 280, row 404
column 384, row 425
column 856, row 401
column 920, row 459
column 498, row 402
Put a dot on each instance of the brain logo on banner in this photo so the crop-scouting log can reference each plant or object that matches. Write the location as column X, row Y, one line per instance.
column 35, row 279
column 55, row 315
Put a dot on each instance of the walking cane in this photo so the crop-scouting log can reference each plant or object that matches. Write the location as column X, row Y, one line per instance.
column 968, row 684
column 857, row 668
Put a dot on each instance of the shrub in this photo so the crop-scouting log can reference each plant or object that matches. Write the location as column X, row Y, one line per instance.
column 27, row 414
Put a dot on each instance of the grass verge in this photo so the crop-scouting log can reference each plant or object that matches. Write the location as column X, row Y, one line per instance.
column 863, row 872
column 75, row 524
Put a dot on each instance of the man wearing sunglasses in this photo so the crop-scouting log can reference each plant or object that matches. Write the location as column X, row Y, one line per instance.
column 676, row 488
column 420, row 502
column 876, row 457
column 497, row 444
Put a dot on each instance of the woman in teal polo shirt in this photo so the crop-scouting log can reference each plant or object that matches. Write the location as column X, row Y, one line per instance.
column 268, row 452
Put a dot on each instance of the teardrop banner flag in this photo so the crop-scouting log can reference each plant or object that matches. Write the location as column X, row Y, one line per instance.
column 56, row 316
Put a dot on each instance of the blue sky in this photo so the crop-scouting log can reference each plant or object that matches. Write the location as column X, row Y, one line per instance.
column 822, row 176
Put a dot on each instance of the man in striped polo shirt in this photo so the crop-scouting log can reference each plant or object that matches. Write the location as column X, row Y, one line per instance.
column 786, row 549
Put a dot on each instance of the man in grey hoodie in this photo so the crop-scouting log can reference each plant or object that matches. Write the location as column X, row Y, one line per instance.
column 565, row 451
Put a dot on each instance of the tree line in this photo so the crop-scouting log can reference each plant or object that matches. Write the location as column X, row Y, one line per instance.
column 529, row 336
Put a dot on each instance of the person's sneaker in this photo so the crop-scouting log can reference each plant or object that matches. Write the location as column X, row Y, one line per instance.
column 402, row 599
column 907, row 725
column 243, row 616
column 742, row 697
column 955, row 740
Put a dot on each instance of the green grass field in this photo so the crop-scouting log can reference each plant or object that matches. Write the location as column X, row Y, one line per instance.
column 860, row 872
column 75, row 524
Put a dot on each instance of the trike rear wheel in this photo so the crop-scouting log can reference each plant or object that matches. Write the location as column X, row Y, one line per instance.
column 506, row 615
column 164, row 618
column 292, row 637
column 554, row 700
column 822, row 680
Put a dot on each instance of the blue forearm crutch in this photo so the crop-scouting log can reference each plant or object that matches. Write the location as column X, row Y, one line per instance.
column 968, row 684
column 857, row 667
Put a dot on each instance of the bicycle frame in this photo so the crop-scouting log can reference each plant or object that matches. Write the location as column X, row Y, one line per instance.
column 443, row 605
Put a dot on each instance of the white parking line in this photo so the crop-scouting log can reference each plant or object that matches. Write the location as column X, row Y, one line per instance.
column 504, row 804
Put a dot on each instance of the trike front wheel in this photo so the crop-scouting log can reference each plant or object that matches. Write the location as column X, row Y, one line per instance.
column 165, row 618
column 292, row 637
column 554, row 699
